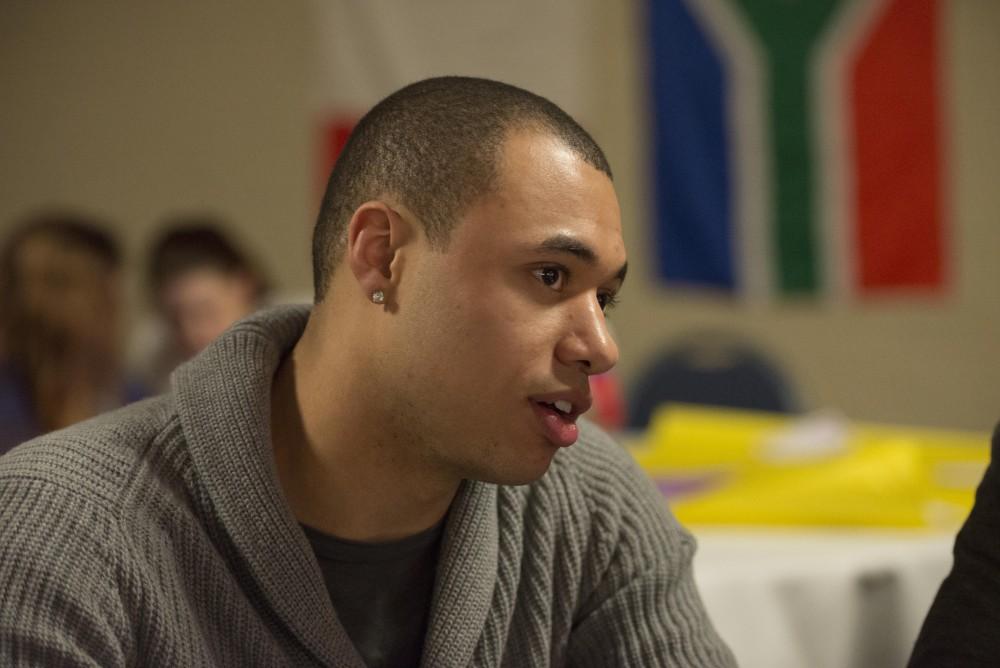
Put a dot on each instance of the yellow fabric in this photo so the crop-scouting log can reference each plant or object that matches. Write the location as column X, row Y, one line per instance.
column 774, row 470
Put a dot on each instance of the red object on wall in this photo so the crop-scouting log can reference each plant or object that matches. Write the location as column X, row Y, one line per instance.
column 609, row 401
column 336, row 132
column 896, row 112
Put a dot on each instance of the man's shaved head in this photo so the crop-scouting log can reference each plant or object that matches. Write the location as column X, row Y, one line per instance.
column 434, row 146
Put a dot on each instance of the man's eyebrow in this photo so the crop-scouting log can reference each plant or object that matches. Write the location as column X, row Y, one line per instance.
column 563, row 243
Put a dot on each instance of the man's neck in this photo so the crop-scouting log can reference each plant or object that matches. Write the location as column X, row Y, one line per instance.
column 340, row 472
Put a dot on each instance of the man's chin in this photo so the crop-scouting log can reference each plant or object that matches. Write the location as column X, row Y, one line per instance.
column 521, row 472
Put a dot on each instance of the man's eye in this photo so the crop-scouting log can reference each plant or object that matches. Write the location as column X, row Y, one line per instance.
column 553, row 277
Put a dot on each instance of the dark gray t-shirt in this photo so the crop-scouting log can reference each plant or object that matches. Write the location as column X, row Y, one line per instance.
column 381, row 592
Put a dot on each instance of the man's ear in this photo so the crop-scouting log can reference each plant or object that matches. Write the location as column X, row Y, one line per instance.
column 374, row 236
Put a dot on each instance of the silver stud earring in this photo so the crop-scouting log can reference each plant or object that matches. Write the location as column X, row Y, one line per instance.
column 378, row 297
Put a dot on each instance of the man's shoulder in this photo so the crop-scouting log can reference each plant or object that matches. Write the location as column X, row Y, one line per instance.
column 96, row 459
column 65, row 555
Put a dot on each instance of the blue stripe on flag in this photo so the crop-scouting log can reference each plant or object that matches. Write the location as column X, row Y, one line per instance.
column 691, row 178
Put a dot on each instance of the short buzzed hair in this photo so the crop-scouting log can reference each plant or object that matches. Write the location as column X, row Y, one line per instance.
column 434, row 145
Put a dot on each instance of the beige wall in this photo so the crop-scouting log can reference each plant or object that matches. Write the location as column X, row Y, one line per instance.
column 136, row 110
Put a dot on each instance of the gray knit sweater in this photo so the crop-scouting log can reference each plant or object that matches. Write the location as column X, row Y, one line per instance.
column 158, row 535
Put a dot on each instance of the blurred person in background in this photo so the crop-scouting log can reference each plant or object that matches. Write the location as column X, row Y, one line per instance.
column 60, row 358
column 201, row 283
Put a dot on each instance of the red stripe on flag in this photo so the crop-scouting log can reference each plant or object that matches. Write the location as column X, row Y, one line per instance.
column 897, row 132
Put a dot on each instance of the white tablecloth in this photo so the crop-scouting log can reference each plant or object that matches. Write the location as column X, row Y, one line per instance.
column 820, row 599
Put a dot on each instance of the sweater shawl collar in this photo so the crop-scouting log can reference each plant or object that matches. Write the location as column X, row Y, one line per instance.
column 223, row 400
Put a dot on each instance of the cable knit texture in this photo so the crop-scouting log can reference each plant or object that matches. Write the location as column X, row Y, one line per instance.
column 158, row 535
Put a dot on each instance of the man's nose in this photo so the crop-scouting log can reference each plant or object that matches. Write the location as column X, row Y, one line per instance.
column 589, row 343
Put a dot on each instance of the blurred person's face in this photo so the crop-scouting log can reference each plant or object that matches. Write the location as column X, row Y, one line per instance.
column 200, row 304
column 508, row 320
column 66, row 291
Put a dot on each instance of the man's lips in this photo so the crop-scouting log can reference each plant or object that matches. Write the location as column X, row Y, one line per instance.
column 579, row 402
column 557, row 413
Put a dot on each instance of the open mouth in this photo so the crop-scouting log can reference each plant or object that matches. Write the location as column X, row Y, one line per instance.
column 561, row 406
column 558, row 421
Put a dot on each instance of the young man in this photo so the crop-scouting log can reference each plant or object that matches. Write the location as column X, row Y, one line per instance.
column 396, row 477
